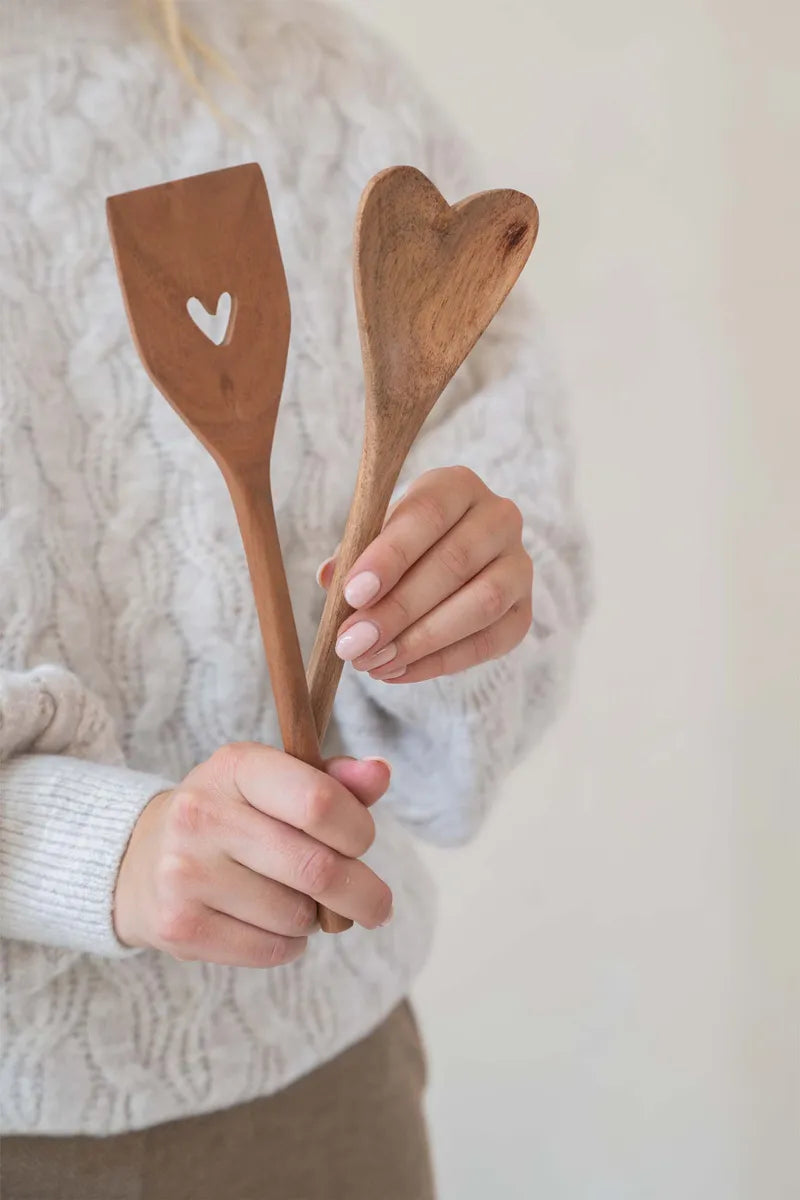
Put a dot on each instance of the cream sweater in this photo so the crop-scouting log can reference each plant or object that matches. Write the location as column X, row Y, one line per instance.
column 129, row 646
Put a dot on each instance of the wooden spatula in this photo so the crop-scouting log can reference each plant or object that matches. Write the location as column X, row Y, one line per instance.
column 428, row 280
column 198, row 240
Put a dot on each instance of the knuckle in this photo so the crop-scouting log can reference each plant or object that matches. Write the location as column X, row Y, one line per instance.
column 278, row 952
column 413, row 642
column 225, row 761
column 399, row 555
column 492, row 599
column 305, row 915
column 176, row 873
column 430, row 511
column 511, row 515
column 284, row 950
column 484, row 645
column 318, row 870
column 455, row 556
column 520, row 623
column 396, row 613
column 466, row 477
column 190, row 811
column 179, row 925
column 320, row 802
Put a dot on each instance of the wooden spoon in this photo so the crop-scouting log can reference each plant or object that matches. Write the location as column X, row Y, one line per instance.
column 428, row 280
column 202, row 238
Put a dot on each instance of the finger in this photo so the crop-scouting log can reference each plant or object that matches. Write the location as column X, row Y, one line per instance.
column 478, row 605
column 480, row 536
column 280, row 852
column 367, row 778
column 393, row 506
column 201, row 934
column 326, row 569
column 325, row 573
column 431, row 506
column 294, row 792
column 494, row 642
column 255, row 900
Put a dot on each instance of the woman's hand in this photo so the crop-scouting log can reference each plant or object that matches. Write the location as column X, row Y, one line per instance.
column 230, row 865
column 446, row 584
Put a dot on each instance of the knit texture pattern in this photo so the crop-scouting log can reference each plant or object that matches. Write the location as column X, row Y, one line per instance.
column 129, row 644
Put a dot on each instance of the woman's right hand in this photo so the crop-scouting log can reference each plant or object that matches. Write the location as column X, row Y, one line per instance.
column 229, row 866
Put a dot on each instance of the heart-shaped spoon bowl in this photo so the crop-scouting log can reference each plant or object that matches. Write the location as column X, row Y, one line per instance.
column 429, row 277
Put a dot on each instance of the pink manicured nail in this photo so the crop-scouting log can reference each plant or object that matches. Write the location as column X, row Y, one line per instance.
column 389, row 918
column 321, row 569
column 394, row 674
column 362, row 588
column 380, row 659
column 357, row 640
column 377, row 758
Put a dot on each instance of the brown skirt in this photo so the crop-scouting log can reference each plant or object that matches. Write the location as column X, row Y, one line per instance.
column 352, row 1130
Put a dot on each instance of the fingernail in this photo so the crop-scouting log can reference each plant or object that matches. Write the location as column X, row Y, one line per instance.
column 389, row 918
column 380, row 659
column 362, row 588
column 394, row 674
column 377, row 758
column 321, row 569
column 357, row 640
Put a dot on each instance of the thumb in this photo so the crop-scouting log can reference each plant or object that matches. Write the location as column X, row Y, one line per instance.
column 367, row 778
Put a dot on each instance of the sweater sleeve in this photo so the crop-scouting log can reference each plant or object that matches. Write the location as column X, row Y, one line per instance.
column 452, row 740
column 67, row 809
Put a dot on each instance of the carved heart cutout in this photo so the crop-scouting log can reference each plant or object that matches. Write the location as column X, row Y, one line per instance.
column 429, row 279
column 214, row 325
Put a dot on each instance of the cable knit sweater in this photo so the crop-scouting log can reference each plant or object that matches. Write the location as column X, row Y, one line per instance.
column 129, row 645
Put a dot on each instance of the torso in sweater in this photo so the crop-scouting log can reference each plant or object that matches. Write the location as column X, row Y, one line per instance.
column 121, row 563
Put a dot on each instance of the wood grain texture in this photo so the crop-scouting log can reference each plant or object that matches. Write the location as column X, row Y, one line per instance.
column 428, row 280
column 201, row 237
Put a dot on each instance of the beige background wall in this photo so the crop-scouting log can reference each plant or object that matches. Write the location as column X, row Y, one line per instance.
column 613, row 1009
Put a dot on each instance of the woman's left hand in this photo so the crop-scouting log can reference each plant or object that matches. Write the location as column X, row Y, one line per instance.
column 446, row 585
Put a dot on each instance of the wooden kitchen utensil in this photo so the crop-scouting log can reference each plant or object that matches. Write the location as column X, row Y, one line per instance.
column 428, row 280
column 201, row 239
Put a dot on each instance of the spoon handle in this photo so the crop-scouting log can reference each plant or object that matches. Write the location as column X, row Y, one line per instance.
column 374, row 486
column 256, row 516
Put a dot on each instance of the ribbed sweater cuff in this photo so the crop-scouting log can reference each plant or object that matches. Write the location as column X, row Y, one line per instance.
column 65, row 825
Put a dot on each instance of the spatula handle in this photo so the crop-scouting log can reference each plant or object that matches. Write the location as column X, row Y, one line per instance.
column 373, row 491
column 255, row 514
